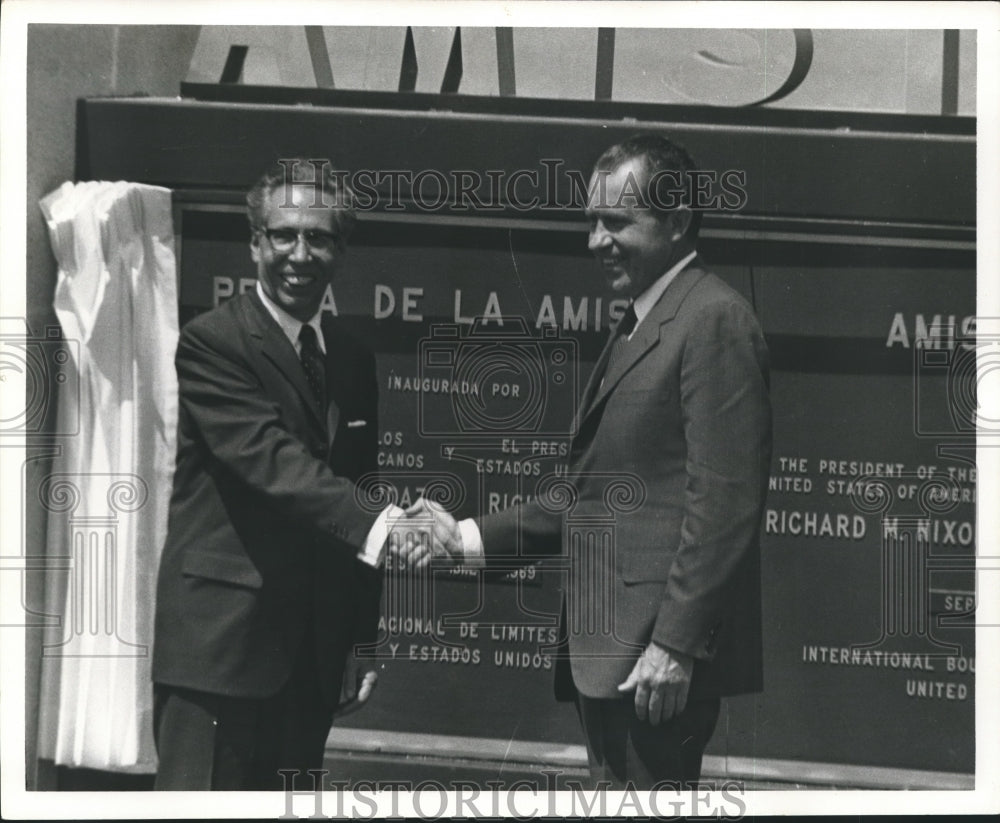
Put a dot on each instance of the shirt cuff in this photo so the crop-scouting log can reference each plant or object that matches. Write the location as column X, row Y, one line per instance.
column 668, row 649
column 473, row 555
column 373, row 552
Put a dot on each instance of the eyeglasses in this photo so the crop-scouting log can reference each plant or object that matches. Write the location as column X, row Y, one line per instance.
column 316, row 240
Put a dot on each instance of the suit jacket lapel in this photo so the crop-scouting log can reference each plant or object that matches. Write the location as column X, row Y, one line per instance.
column 332, row 378
column 592, row 384
column 275, row 346
column 647, row 335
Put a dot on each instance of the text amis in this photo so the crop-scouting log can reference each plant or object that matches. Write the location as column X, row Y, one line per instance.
column 934, row 332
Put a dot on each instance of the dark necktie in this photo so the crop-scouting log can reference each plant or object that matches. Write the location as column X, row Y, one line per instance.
column 312, row 363
column 625, row 327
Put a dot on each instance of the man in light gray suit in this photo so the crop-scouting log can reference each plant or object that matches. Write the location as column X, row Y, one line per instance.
column 678, row 398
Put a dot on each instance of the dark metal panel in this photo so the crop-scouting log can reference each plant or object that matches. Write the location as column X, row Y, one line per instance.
column 892, row 176
column 582, row 109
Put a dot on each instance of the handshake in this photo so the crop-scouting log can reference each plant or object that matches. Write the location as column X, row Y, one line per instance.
column 423, row 532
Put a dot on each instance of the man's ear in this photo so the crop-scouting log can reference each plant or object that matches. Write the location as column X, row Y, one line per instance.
column 255, row 247
column 679, row 220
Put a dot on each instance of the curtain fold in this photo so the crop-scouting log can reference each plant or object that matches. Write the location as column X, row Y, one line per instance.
column 109, row 489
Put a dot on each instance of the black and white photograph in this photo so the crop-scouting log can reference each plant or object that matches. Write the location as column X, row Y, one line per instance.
column 532, row 409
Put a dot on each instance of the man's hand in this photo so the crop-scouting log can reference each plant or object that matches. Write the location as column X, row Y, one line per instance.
column 446, row 537
column 409, row 541
column 661, row 680
column 427, row 531
column 360, row 680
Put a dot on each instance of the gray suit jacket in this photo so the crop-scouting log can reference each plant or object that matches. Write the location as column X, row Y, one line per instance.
column 675, row 446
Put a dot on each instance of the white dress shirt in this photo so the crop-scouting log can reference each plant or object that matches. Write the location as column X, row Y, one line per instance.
column 289, row 325
column 372, row 552
column 650, row 297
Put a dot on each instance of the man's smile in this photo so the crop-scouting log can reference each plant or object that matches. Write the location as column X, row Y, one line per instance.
column 298, row 280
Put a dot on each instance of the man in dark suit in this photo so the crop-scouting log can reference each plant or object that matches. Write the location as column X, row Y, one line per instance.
column 668, row 621
column 270, row 572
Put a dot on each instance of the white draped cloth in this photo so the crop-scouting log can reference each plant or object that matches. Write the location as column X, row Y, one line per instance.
column 108, row 493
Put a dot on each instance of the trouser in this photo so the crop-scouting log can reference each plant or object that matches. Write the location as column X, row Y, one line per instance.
column 210, row 741
column 626, row 752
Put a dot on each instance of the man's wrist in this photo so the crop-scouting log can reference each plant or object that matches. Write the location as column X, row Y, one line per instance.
column 658, row 649
column 472, row 544
column 373, row 552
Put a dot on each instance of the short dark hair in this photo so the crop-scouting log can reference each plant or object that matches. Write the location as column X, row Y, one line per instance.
column 658, row 154
column 331, row 186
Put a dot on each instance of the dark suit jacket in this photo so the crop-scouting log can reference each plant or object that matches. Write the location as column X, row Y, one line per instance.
column 264, row 523
column 684, row 416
